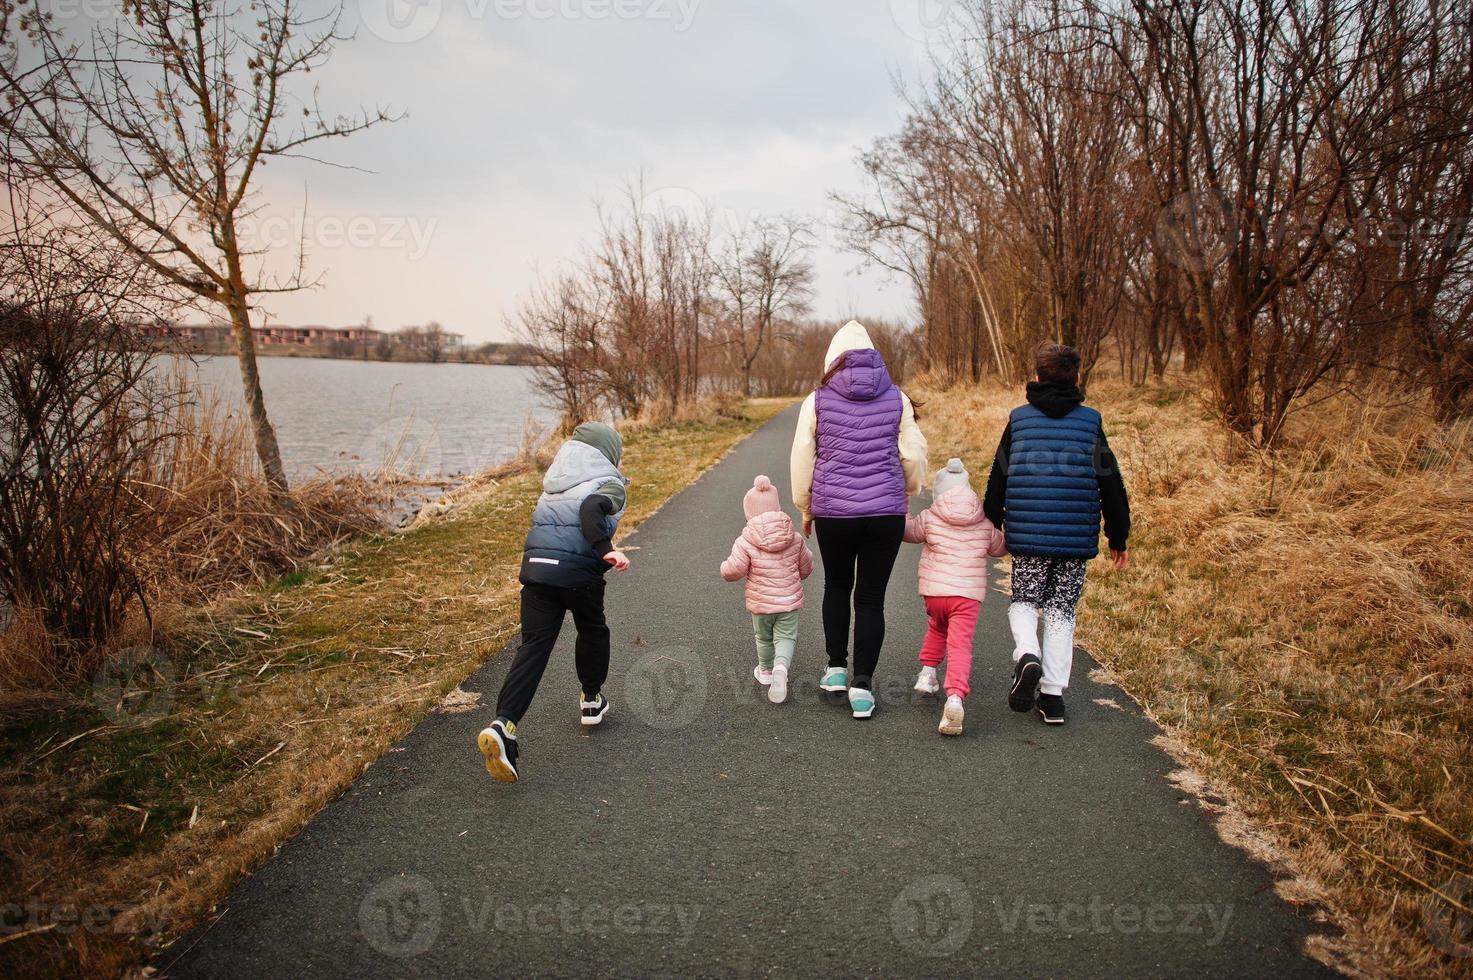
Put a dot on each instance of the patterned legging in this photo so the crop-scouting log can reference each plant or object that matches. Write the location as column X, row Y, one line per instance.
column 1053, row 586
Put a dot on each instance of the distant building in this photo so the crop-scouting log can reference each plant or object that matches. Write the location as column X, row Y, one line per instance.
column 200, row 333
column 315, row 336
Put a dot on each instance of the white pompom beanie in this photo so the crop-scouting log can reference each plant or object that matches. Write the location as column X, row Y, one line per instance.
column 955, row 475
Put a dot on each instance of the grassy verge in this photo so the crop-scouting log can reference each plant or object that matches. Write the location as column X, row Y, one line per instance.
column 1299, row 624
column 129, row 810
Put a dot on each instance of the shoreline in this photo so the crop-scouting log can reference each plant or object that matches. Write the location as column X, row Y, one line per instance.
column 512, row 360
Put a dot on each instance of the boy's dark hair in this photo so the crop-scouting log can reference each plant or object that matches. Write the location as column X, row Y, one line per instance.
column 1056, row 364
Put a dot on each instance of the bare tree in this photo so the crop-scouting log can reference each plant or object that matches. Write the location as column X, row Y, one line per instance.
column 560, row 324
column 432, row 342
column 1029, row 113
column 153, row 132
column 1278, row 187
column 1413, row 271
column 365, row 331
column 409, row 342
column 1274, row 110
column 762, row 275
column 651, row 270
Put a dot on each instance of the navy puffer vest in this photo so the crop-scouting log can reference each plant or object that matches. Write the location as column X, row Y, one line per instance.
column 1053, row 498
column 556, row 552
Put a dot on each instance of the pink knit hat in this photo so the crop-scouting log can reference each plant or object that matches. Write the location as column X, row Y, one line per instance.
column 761, row 498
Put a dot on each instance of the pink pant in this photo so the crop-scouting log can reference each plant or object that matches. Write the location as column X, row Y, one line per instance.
column 953, row 620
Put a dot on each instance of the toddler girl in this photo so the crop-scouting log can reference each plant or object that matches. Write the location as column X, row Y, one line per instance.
column 957, row 538
column 774, row 560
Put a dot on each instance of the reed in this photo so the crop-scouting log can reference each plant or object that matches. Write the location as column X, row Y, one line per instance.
column 200, row 522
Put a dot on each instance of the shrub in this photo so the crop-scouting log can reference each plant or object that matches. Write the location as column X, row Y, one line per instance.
column 78, row 413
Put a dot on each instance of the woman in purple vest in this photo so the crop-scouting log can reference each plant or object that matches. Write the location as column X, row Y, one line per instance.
column 857, row 456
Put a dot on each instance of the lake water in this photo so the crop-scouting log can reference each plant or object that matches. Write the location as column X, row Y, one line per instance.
column 337, row 416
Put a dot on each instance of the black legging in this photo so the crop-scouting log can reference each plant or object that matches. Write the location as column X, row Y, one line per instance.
column 871, row 544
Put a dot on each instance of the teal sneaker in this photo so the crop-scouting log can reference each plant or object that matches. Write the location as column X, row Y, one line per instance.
column 861, row 702
column 834, row 679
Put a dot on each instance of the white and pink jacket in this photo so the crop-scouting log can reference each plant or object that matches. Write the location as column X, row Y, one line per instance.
column 774, row 560
column 958, row 539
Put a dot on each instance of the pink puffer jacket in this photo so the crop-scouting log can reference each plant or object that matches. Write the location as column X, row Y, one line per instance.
column 774, row 560
column 958, row 538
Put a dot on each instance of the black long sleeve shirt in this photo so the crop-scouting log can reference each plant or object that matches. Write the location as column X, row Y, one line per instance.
column 591, row 514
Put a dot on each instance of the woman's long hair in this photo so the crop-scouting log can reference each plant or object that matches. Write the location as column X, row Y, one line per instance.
column 833, row 369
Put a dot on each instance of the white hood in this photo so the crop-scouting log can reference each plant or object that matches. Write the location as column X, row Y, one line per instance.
column 851, row 336
column 577, row 463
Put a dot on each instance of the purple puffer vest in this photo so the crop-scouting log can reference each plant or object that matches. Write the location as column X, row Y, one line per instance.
column 858, row 471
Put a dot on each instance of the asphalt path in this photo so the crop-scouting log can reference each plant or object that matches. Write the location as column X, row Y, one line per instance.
column 703, row 831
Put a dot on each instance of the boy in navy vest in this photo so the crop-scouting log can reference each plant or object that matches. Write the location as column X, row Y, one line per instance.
column 567, row 552
column 1053, row 479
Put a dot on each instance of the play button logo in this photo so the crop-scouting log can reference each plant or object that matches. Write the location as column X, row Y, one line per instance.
column 400, row 21
column 400, row 916
column 933, row 916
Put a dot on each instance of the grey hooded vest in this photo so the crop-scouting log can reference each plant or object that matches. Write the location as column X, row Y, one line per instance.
column 556, row 552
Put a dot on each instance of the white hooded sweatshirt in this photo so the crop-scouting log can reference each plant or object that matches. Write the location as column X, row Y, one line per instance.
column 912, row 441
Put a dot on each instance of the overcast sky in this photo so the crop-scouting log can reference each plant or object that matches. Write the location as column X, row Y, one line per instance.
column 521, row 114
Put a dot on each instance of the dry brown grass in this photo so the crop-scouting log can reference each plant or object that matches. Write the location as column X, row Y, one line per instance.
column 279, row 699
column 216, row 525
column 207, row 525
column 1301, row 622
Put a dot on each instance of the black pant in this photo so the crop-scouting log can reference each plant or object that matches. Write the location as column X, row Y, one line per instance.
column 869, row 544
column 543, row 607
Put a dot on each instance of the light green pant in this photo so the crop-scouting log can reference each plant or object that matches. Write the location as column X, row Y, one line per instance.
column 776, row 635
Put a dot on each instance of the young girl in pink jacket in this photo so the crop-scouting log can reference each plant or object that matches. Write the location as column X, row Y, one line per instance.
column 775, row 561
column 958, row 539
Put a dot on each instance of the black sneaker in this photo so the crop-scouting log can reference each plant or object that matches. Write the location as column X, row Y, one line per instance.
column 498, row 744
column 595, row 710
column 1027, row 672
column 1051, row 708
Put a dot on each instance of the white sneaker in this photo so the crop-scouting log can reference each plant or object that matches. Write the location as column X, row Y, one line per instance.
column 777, row 691
column 762, row 674
column 927, row 682
column 951, row 716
